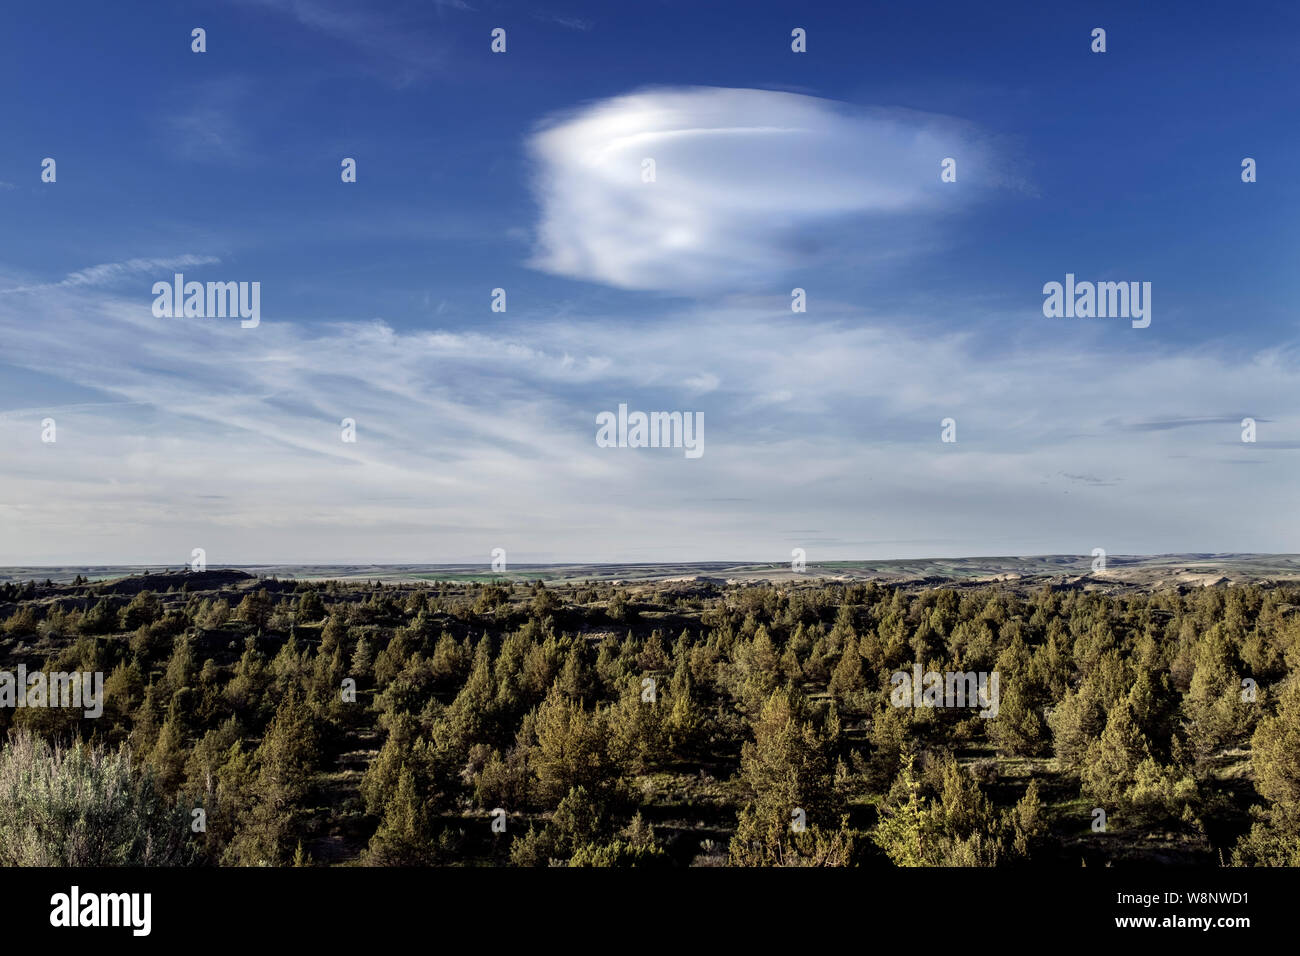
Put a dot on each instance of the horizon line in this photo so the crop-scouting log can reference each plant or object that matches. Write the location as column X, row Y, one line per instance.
column 168, row 566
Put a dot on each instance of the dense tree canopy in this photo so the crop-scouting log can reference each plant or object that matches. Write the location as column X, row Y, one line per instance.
column 598, row 724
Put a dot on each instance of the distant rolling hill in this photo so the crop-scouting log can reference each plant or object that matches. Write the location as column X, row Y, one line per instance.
column 1122, row 572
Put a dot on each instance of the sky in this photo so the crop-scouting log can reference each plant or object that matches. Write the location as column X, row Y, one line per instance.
column 525, row 171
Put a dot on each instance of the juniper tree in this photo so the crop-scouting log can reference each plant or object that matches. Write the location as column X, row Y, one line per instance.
column 404, row 837
column 1110, row 767
column 1274, row 838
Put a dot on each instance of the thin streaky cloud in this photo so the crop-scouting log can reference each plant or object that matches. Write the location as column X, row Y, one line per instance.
column 110, row 272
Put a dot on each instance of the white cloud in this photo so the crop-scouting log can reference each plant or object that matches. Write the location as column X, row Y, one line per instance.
column 109, row 272
column 228, row 439
column 743, row 180
column 704, row 382
column 395, row 39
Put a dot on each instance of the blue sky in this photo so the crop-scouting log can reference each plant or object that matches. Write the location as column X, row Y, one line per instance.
column 521, row 171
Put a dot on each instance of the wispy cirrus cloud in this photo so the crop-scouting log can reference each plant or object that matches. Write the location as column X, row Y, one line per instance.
column 209, row 121
column 395, row 40
column 581, row 24
column 229, row 439
column 110, row 272
column 1167, row 424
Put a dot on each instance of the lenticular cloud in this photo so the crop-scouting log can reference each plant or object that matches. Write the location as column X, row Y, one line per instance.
column 741, row 179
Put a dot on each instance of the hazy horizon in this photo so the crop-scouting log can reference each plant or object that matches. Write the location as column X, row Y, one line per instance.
column 1143, row 570
column 696, row 561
